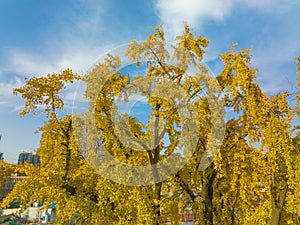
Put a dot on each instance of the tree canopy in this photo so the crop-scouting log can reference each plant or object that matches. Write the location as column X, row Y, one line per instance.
column 103, row 166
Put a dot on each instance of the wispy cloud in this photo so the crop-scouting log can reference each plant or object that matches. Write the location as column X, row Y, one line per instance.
column 6, row 88
column 7, row 99
column 3, row 103
column 196, row 13
column 174, row 12
column 268, row 26
column 40, row 64
column 28, row 63
column 73, row 43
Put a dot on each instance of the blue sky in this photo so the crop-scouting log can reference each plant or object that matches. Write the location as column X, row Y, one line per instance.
column 40, row 37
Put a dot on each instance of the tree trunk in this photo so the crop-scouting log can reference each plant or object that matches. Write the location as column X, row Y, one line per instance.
column 157, row 206
column 232, row 216
column 207, row 194
column 278, row 195
column 275, row 216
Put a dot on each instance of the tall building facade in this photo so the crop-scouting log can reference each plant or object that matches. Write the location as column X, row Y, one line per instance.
column 29, row 158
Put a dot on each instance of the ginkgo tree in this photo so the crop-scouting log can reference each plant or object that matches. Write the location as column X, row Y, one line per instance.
column 103, row 166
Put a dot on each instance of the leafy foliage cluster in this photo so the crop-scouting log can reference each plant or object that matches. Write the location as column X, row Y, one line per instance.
column 254, row 179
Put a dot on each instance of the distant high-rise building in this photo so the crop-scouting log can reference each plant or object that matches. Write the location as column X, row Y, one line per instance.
column 35, row 159
column 29, row 157
column 1, row 154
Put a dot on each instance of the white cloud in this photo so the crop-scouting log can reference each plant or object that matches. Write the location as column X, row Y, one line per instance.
column 25, row 63
column 259, row 4
column 6, row 88
column 6, row 94
column 3, row 103
column 74, row 43
column 7, row 84
column 173, row 13
column 195, row 12
column 274, row 40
